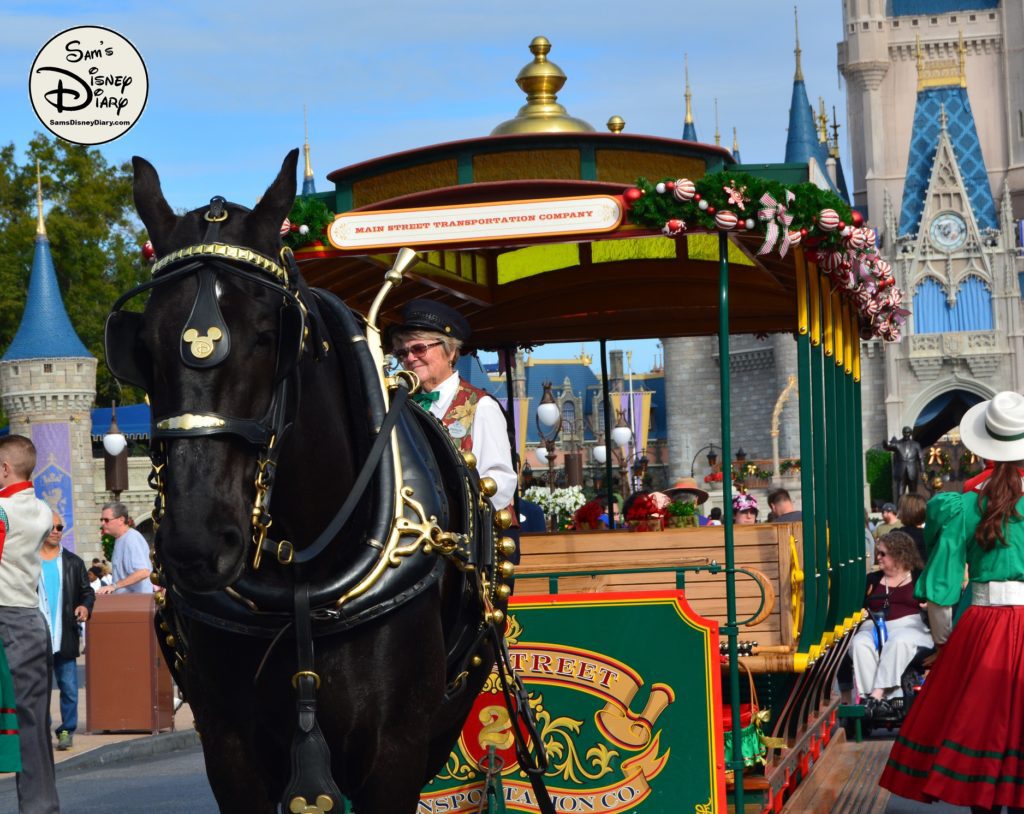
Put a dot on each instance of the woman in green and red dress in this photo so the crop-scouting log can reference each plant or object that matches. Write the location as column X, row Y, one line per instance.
column 963, row 741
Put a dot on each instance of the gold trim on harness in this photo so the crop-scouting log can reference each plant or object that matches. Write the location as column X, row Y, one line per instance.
column 189, row 421
column 223, row 251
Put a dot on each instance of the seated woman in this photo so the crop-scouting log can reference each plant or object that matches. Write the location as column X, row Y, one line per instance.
column 882, row 652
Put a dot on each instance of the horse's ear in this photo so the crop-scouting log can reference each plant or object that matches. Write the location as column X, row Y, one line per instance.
column 151, row 205
column 277, row 201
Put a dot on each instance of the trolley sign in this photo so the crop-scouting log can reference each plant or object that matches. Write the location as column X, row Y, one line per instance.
column 625, row 689
column 472, row 223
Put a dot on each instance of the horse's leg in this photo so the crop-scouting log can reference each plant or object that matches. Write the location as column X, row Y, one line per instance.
column 222, row 703
column 386, row 755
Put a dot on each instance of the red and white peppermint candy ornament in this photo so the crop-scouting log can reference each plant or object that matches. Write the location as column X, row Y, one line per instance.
column 684, row 189
column 828, row 219
column 831, row 261
column 795, row 237
column 286, row 227
column 726, row 220
column 148, row 251
column 673, row 227
column 857, row 239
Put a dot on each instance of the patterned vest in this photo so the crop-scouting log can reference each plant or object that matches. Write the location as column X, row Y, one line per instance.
column 459, row 421
column 459, row 416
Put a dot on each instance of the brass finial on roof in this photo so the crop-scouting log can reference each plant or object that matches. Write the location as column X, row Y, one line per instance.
column 40, row 225
column 942, row 117
column 616, row 124
column 308, row 173
column 541, row 80
column 735, row 141
column 689, row 96
column 718, row 135
column 799, row 75
column 822, row 122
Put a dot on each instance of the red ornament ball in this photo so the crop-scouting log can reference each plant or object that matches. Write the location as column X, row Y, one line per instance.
column 803, row 232
column 670, row 185
column 857, row 218
column 633, row 194
column 696, row 196
column 148, row 252
column 842, row 225
column 711, row 210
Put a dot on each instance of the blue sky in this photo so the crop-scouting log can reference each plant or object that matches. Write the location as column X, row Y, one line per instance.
column 228, row 80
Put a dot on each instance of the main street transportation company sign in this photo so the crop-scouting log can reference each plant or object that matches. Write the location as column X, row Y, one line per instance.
column 473, row 223
column 626, row 692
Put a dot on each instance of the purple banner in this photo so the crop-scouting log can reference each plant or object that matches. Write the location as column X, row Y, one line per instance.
column 52, row 478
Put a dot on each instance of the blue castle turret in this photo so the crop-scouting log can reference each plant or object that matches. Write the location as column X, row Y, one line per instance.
column 802, row 141
column 48, row 385
column 45, row 329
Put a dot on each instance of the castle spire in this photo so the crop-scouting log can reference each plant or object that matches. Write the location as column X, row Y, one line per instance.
column 40, row 224
column 718, row 135
column 735, row 147
column 689, row 130
column 45, row 331
column 798, row 76
column 308, row 184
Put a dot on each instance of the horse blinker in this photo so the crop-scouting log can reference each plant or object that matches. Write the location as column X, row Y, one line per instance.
column 205, row 340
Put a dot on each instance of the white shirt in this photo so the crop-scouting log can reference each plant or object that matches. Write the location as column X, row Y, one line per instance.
column 490, row 440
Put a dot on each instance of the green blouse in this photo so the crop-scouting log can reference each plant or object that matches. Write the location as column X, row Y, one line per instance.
column 949, row 538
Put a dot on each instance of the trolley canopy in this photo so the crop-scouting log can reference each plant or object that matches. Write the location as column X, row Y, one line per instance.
column 629, row 283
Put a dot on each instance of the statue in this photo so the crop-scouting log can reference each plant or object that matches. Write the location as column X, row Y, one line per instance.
column 907, row 463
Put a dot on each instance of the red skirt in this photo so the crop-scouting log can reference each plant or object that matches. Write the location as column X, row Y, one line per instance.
column 963, row 741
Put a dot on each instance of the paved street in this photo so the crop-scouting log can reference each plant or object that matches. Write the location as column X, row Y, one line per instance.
column 172, row 783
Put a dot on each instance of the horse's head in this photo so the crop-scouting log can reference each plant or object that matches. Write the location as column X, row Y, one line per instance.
column 219, row 336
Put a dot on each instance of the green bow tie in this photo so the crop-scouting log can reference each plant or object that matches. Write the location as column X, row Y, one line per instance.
column 424, row 400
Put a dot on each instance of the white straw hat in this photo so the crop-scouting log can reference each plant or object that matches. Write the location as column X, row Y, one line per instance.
column 994, row 429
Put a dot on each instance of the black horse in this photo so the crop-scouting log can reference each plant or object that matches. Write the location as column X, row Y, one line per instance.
column 270, row 413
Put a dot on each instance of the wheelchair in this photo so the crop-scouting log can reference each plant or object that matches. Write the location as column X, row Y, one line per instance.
column 890, row 713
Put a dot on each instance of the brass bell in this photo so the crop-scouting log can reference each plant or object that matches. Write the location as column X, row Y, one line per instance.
column 469, row 458
column 171, row 641
column 504, row 591
column 507, row 546
column 164, row 627
column 488, row 487
column 497, row 616
column 503, row 518
column 507, row 570
column 154, row 577
column 476, row 661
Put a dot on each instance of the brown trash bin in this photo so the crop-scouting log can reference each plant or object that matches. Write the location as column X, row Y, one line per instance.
column 127, row 684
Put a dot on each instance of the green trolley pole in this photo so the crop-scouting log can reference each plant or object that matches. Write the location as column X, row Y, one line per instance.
column 731, row 630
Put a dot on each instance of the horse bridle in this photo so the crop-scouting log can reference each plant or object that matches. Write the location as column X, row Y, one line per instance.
column 205, row 342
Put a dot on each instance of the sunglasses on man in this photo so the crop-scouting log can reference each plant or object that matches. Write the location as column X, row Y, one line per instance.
column 59, row 527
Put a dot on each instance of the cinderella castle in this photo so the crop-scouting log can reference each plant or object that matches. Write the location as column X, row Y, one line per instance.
column 935, row 105
column 935, row 95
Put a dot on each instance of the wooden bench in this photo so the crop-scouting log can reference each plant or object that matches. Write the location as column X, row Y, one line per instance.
column 763, row 547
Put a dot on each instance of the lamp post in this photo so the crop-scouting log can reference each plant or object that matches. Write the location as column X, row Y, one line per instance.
column 115, row 457
column 712, row 459
column 548, row 419
column 622, row 436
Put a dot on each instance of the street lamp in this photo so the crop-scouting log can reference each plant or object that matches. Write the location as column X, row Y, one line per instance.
column 549, row 424
column 115, row 457
column 712, row 459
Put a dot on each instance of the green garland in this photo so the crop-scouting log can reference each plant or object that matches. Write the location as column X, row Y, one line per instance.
column 654, row 209
column 311, row 212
